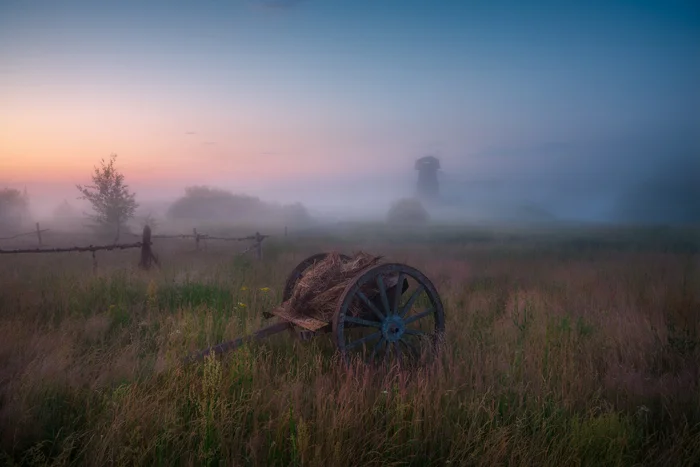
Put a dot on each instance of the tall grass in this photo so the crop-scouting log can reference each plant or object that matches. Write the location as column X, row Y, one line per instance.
column 554, row 356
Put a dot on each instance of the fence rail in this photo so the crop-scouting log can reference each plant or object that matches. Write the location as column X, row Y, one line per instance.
column 147, row 255
column 36, row 232
column 75, row 248
column 22, row 235
column 258, row 238
column 205, row 237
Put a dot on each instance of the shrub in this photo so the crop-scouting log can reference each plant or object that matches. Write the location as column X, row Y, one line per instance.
column 408, row 211
column 206, row 204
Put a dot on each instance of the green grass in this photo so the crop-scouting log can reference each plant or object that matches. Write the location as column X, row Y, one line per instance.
column 563, row 348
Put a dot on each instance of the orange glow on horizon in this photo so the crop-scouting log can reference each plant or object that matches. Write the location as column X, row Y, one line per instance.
column 45, row 138
column 38, row 164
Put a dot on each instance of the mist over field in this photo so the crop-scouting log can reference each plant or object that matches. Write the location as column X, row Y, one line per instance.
column 587, row 187
column 585, row 113
column 349, row 232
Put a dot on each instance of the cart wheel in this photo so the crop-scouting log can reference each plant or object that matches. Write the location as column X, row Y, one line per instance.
column 298, row 271
column 389, row 311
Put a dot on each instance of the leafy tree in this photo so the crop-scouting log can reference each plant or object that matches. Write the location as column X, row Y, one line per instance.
column 110, row 198
column 14, row 206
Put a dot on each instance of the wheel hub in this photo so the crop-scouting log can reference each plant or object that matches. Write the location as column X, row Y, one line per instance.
column 393, row 328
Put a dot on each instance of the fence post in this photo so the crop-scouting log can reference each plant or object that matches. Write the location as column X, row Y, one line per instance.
column 196, row 238
column 258, row 246
column 94, row 262
column 38, row 233
column 146, row 254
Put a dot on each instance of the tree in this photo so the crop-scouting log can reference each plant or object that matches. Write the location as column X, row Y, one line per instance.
column 14, row 207
column 110, row 198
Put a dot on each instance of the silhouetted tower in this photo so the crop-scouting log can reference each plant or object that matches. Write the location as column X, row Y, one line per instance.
column 428, row 187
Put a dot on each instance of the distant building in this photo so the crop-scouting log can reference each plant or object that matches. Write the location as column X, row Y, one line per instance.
column 428, row 187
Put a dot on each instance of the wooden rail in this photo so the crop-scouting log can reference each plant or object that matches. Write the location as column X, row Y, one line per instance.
column 147, row 256
column 36, row 232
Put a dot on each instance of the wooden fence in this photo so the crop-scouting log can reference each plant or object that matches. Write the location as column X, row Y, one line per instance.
column 36, row 232
column 148, row 258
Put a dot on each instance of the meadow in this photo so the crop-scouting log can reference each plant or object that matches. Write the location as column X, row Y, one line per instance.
column 563, row 348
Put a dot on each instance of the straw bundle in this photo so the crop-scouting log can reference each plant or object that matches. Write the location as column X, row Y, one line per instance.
column 317, row 292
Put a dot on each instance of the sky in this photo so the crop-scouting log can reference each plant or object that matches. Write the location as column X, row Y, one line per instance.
column 571, row 104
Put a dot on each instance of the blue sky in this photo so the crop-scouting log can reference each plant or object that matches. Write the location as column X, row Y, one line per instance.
column 281, row 92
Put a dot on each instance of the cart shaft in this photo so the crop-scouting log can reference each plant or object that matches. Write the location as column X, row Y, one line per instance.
column 234, row 344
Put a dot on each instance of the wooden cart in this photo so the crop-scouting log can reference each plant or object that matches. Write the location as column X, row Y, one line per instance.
column 397, row 323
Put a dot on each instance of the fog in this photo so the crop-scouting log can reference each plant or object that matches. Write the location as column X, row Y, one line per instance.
column 648, row 179
column 309, row 112
column 642, row 183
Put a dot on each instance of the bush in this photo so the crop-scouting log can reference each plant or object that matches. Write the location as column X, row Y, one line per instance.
column 205, row 204
column 407, row 211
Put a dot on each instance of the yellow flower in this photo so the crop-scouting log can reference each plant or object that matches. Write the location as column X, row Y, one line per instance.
column 265, row 289
column 244, row 288
column 152, row 294
column 241, row 304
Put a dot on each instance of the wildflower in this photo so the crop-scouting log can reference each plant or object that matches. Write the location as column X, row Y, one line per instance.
column 265, row 289
column 244, row 288
column 152, row 294
column 241, row 304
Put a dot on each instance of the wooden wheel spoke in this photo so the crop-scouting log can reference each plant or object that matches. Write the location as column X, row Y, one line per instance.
column 382, row 294
column 384, row 317
column 363, row 322
column 415, row 318
column 397, row 294
column 354, row 344
column 412, row 300
column 370, row 305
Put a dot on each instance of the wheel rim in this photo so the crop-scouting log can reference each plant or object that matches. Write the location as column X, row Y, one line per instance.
column 298, row 272
column 379, row 313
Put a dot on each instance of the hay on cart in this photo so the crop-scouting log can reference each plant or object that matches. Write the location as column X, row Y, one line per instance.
column 317, row 293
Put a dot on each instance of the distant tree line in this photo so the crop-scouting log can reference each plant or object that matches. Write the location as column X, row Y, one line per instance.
column 207, row 204
column 14, row 208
